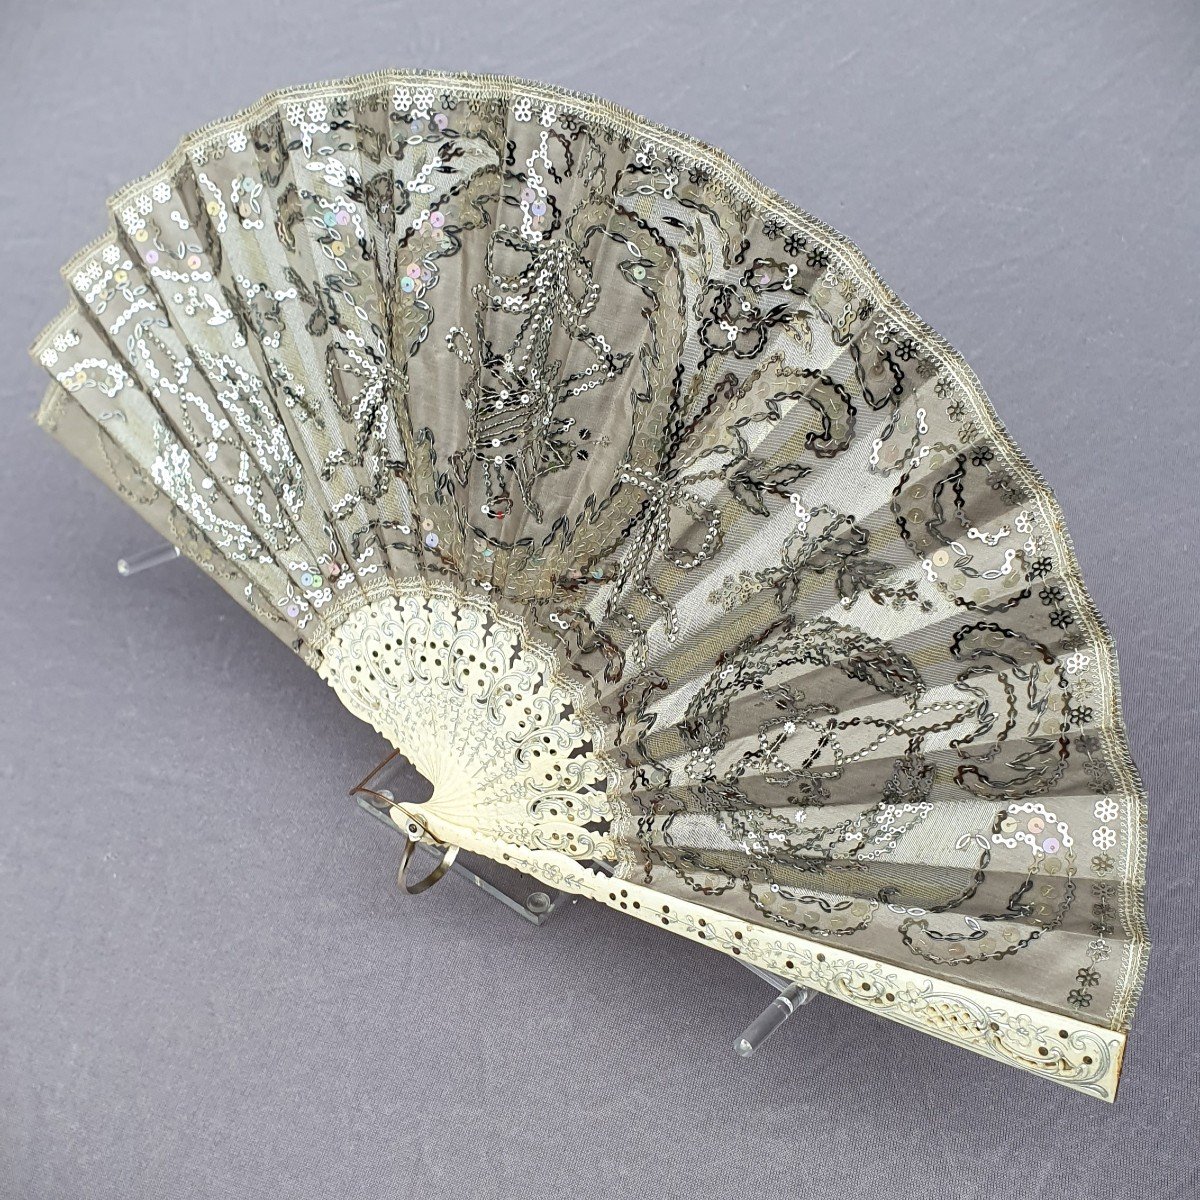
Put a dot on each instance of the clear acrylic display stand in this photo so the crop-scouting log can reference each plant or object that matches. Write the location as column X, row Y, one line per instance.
column 529, row 898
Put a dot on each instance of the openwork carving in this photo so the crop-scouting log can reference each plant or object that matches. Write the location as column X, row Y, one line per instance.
column 482, row 713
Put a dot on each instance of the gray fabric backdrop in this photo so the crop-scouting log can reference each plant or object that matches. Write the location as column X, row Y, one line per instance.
column 208, row 984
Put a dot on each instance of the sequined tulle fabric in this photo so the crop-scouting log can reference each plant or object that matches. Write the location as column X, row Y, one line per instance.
column 628, row 502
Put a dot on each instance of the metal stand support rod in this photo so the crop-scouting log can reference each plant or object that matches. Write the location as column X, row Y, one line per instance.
column 772, row 1018
column 131, row 564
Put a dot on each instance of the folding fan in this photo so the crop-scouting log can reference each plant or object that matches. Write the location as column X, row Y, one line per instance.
column 625, row 500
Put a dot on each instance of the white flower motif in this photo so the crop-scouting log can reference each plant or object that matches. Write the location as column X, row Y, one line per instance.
column 523, row 108
column 1106, row 810
column 402, row 99
column 294, row 113
column 86, row 275
column 110, row 254
column 1076, row 662
column 162, row 192
column 549, row 115
column 1104, row 838
column 317, row 110
column 144, row 205
column 238, row 141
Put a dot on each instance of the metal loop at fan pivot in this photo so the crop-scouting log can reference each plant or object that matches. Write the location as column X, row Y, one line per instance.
column 413, row 829
column 415, row 834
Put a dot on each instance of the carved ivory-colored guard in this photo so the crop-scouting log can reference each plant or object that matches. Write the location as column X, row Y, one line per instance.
column 1082, row 1056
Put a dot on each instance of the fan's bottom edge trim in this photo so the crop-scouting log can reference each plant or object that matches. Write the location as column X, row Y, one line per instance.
column 1063, row 1049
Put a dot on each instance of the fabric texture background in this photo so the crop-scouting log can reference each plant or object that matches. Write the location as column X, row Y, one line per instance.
column 202, row 994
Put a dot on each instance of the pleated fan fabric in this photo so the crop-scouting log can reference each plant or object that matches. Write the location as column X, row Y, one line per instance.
column 627, row 501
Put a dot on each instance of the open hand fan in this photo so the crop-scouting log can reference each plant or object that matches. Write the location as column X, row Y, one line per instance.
column 626, row 501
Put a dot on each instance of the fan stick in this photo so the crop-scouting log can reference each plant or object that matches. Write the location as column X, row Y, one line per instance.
column 502, row 884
